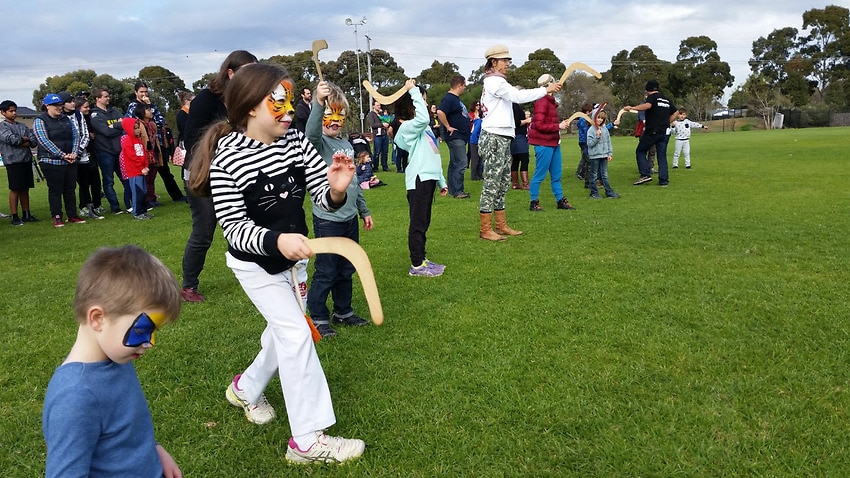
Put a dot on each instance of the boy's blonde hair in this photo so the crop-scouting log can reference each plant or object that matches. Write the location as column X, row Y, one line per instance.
column 336, row 97
column 126, row 280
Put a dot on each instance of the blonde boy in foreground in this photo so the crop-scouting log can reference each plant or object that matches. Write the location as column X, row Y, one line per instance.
column 96, row 420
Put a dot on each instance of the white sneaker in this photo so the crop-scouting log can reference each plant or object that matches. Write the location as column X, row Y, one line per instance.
column 327, row 449
column 259, row 413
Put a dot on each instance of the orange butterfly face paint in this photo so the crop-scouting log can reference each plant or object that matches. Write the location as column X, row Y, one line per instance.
column 334, row 113
column 279, row 101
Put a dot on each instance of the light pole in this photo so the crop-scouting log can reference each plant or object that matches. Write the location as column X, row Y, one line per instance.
column 369, row 66
column 349, row 22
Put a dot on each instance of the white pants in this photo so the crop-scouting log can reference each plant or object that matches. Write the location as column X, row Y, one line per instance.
column 682, row 145
column 286, row 348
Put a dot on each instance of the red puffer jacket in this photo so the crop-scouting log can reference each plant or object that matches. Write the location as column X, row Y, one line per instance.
column 544, row 129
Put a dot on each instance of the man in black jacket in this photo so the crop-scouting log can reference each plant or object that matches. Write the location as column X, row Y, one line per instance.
column 106, row 123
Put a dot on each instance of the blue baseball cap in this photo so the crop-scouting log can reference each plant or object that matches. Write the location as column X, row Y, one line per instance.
column 52, row 99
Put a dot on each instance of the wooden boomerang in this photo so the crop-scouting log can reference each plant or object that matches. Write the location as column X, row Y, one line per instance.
column 623, row 110
column 384, row 100
column 578, row 115
column 355, row 254
column 318, row 45
column 578, row 66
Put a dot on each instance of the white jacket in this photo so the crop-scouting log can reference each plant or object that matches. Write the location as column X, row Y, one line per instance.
column 496, row 104
column 682, row 129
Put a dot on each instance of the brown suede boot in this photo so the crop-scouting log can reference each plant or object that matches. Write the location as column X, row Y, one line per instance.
column 502, row 225
column 514, row 180
column 525, row 184
column 487, row 228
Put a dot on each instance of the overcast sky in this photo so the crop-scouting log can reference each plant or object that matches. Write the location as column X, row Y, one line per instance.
column 191, row 37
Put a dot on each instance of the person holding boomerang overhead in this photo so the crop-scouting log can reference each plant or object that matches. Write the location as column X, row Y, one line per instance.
column 497, row 127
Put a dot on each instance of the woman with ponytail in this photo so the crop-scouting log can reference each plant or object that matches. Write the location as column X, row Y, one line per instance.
column 207, row 108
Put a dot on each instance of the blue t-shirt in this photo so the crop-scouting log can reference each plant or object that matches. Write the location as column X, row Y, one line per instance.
column 458, row 116
column 96, row 423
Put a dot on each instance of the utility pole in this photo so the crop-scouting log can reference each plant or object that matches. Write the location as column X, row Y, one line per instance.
column 349, row 22
column 369, row 66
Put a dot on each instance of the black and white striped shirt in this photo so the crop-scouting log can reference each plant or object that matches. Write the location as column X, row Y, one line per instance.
column 258, row 192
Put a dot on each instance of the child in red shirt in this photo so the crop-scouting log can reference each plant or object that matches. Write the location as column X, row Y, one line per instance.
column 133, row 161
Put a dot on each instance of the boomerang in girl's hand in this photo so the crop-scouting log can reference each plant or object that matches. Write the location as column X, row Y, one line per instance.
column 355, row 254
column 382, row 99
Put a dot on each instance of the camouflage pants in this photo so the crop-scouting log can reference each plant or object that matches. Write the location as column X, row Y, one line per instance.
column 495, row 152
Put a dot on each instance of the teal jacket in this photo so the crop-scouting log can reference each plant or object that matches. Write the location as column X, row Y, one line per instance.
column 415, row 136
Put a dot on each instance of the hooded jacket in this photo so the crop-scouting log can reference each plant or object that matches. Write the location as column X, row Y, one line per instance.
column 598, row 147
column 11, row 139
column 545, row 128
column 133, row 157
column 416, row 137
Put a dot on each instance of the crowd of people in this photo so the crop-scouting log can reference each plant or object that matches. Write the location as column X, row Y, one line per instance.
column 252, row 155
column 78, row 147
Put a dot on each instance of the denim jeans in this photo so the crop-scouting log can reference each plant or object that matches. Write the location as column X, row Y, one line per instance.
column 457, row 165
column 599, row 168
column 108, row 169
column 658, row 140
column 333, row 273
column 138, row 190
column 200, row 239
column 381, row 144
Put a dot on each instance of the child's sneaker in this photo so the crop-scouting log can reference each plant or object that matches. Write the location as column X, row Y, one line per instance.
column 327, row 449
column 325, row 330
column 57, row 221
column 76, row 220
column 427, row 269
column 613, row 195
column 259, row 413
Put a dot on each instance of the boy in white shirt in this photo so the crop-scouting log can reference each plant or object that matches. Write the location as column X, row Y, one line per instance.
column 682, row 130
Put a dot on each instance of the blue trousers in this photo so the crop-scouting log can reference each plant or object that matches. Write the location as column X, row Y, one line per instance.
column 333, row 273
column 381, row 143
column 547, row 159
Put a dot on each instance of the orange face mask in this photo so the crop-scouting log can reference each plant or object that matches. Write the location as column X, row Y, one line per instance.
column 279, row 101
column 334, row 113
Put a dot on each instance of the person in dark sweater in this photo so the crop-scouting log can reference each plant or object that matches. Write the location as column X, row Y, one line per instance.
column 207, row 108
column 660, row 112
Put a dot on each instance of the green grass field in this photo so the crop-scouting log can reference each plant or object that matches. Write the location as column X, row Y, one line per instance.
column 694, row 330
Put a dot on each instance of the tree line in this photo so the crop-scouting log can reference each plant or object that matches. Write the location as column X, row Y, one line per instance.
column 808, row 69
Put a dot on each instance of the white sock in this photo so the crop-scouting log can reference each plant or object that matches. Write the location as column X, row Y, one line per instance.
column 306, row 440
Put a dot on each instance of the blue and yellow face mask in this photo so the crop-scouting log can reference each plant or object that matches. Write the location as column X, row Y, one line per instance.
column 143, row 329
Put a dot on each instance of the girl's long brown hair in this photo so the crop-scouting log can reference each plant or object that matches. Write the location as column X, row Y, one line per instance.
column 249, row 87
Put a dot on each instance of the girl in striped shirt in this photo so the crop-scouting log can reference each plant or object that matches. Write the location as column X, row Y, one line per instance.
column 258, row 171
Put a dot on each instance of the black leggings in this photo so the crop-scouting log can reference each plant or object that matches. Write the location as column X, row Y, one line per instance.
column 519, row 162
